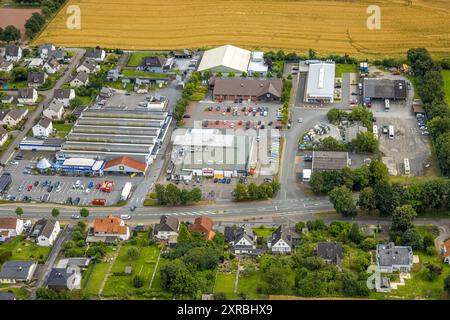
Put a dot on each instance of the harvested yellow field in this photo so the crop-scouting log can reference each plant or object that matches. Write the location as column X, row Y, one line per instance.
column 327, row 26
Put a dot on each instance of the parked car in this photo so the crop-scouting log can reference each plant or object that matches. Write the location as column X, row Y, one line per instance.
column 91, row 184
column 133, row 208
column 75, row 216
column 58, row 188
column 187, row 116
column 300, row 120
column 87, row 191
column 36, row 183
column 307, row 157
column 77, row 201
column 268, row 180
column 30, row 187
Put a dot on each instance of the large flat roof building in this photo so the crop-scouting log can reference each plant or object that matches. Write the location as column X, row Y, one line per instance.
column 225, row 59
column 384, row 89
column 329, row 160
column 320, row 82
column 247, row 89
column 112, row 132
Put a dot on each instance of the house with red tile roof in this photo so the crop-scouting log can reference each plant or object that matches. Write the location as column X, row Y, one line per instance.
column 108, row 229
column 10, row 228
column 205, row 226
column 125, row 165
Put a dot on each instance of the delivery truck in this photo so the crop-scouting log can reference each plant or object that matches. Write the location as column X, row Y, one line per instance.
column 126, row 191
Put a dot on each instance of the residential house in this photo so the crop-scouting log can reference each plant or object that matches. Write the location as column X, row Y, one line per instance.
column 182, row 54
column 95, row 54
column 27, row 96
column 392, row 258
column 35, row 63
column 55, row 110
column 81, row 79
column 64, row 95
column 8, row 99
column 45, row 49
column 109, row 229
column 10, row 228
column 12, row 117
column 36, row 78
column 88, row 66
column 283, row 240
column 17, row 271
column 113, row 74
column 43, row 128
column 3, row 136
column 45, row 232
column 241, row 240
column 382, row 284
column 167, row 229
column 64, row 279
column 331, row 252
column 13, row 53
column 58, row 54
column 106, row 92
column 205, row 226
column 155, row 64
column 6, row 66
column 52, row 65
column 446, row 251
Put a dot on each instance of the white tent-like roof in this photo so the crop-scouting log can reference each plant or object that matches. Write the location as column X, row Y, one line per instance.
column 228, row 56
column 43, row 164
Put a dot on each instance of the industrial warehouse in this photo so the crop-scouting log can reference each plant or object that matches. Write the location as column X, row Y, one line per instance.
column 210, row 153
column 320, row 82
column 113, row 132
column 247, row 89
column 384, row 89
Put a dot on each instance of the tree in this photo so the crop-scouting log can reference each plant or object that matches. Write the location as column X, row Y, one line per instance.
column 364, row 142
column 378, row 172
column 160, row 191
column 275, row 279
column 138, row 282
column 355, row 234
column 447, row 284
column 55, row 212
column 342, row 199
column 173, row 194
column 10, row 34
column 240, row 192
column 299, row 226
column 133, row 254
column 402, row 218
column 76, row 102
column 19, row 74
column 331, row 144
column 84, row 212
column 366, row 200
column 177, row 278
column 195, row 194
column 334, row 115
column 368, row 244
column 19, row 211
column 183, row 234
column 412, row 238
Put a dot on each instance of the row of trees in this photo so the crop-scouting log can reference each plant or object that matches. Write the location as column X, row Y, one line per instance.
column 9, row 34
column 253, row 191
column 193, row 91
column 37, row 20
column 430, row 86
column 172, row 195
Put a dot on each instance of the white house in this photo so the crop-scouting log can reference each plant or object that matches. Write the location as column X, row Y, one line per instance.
column 27, row 96
column 13, row 53
column 392, row 258
column 64, row 95
column 6, row 66
column 17, row 271
column 51, row 66
column 10, row 228
column 45, row 232
column 95, row 54
column 81, row 79
column 43, row 128
column 55, row 110
column 88, row 66
column 3, row 136
column 283, row 240
column 241, row 240
column 45, row 49
column 168, row 227
column 12, row 117
column 35, row 63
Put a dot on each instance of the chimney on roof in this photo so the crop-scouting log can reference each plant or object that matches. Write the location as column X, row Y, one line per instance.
column 20, row 268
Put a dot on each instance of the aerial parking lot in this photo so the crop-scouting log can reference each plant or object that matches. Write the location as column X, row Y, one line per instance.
column 61, row 189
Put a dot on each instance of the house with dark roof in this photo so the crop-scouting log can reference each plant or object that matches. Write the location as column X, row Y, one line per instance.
column 45, row 49
column 88, row 66
column 331, row 252
column 167, row 229
column 95, row 54
column 242, row 240
column 51, row 66
column 392, row 258
column 6, row 66
column 64, row 95
column 54, row 110
column 43, row 128
column 17, row 271
column 64, row 279
column 27, row 96
column 283, row 240
column 13, row 53
column 58, row 54
column 45, row 232
column 155, row 64
column 203, row 225
column 36, row 78
column 329, row 160
column 247, row 89
column 81, row 79
column 12, row 117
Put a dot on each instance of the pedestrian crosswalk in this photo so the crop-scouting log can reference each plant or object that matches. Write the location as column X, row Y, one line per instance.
column 191, row 213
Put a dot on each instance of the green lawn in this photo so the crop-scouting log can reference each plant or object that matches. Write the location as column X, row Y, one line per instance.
column 121, row 284
column 136, row 58
column 249, row 283
column 446, row 75
column 418, row 287
column 25, row 250
column 21, row 293
column 15, row 85
column 85, row 100
column 134, row 73
column 345, row 68
column 225, row 282
column 263, row 232
column 95, row 282
column 62, row 129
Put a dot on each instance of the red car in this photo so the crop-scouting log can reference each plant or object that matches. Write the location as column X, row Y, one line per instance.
column 30, row 187
column 98, row 186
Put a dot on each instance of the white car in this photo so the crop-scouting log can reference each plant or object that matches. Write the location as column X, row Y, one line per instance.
column 58, row 189
column 232, row 125
column 125, row 217
column 87, row 190
column 300, row 120
column 15, row 162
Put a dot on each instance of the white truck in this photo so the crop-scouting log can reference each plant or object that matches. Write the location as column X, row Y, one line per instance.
column 126, row 191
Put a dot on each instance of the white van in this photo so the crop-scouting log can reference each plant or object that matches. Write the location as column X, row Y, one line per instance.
column 125, row 217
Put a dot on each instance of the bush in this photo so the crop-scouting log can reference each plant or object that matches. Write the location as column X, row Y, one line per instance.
column 138, row 282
